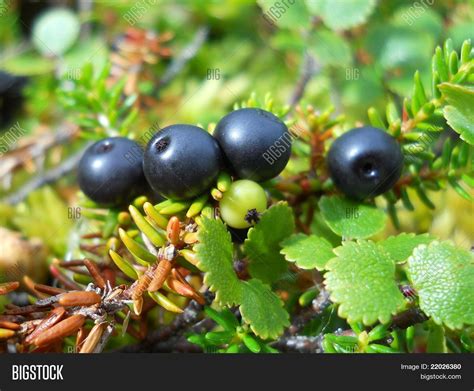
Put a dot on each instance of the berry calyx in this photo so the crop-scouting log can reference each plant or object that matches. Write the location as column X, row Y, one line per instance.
column 256, row 144
column 365, row 162
column 182, row 161
column 110, row 171
column 242, row 204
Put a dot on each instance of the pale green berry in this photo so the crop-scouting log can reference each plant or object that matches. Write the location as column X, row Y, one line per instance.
column 242, row 196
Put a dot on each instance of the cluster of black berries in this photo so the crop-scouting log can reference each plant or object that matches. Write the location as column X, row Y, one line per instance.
column 183, row 161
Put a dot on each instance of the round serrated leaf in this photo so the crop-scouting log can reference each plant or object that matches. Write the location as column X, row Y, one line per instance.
column 342, row 14
column 443, row 276
column 285, row 14
column 262, row 245
column 55, row 31
column 362, row 281
column 307, row 252
column 350, row 219
column 401, row 246
column 263, row 310
column 460, row 112
column 214, row 253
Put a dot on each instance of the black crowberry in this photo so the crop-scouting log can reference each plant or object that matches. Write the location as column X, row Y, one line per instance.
column 256, row 143
column 365, row 162
column 11, row 96
column 110, row 171
column 182, row 161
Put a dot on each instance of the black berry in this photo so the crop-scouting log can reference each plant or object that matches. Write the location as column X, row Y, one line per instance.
column 110, row 171
column 182, row 161
column 256, row 144
column 11, row 96
column 365, row 162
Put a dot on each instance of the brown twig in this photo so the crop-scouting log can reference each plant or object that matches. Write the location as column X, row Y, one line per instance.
column 34, row 148
column 156, row 341
column 49, row 176
column 308, row 69
column 299, row 344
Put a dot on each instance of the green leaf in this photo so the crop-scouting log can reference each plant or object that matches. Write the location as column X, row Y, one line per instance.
column 350, row 219
column 341, row 15
column 443, row 276
column 263, row 310
column 224, row 318
column 29, row 63
column 308, row 252
column 362, row 281
column 286, row 15
column 125, row 266
column 401, row 246
column 436, row 340
column 251, row 343
column 460, row 113
column 262, row 245
column 428, row 21
column 214, row 253
column 140, row 253
column 330, row 49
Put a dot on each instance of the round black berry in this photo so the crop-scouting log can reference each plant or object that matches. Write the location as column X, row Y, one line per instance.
column 111, row 171
column 365, row 162
column 256, row 144
column 182, row 161
column 11, row 97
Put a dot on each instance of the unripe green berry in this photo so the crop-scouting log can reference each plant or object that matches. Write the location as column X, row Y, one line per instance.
column 243, row 196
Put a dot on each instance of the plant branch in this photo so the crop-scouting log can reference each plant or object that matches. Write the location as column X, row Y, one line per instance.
column 166, row 337
column 35, row 148
column 49, row 176
column 299, row 344
column 307, row 71
column 179, row 62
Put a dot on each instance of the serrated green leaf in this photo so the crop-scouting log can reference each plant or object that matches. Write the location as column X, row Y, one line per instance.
column 307, row 252
column 286, row 15
column 362, row 281
column 400, row 247
column 342, row 14
column 214, row 253
column 263, row 310
column 350, row 219
column 460, row 112
column 262, row 245
column 443, row 276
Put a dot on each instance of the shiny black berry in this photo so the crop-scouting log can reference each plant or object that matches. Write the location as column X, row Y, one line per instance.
column 110, row 171
column 365, row 162
column 182, row 161
column 256, row 144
